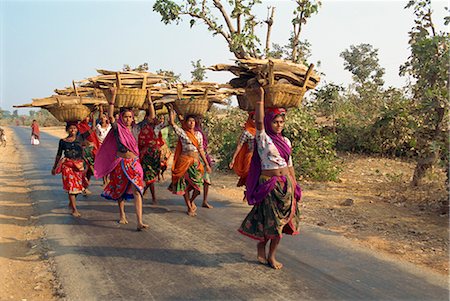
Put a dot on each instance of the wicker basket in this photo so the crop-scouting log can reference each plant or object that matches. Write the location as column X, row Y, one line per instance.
column 192, row 106
column 279, row 95
column 67, row 113
column 283, row 96
column 127, row 97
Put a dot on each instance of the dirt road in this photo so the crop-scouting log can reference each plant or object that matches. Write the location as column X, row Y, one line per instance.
column 200, row 258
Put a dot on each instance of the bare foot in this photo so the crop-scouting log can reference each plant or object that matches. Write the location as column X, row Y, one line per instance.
column 191, row 213
column 154, row 202
column 141, row 227
column 261, row 247
column 206, row 205
column 123, row 221
column 275, row 264
column 76, row 214
column 193, row 207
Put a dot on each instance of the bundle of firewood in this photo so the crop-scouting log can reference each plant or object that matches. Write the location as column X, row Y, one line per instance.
column 284, row 82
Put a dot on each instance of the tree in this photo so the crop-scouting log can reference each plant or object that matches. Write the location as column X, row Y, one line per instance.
column 428, row 65
column 141, row 68
column 198, row 74
column 238, row 22
column 362, row 62
column 171, row 77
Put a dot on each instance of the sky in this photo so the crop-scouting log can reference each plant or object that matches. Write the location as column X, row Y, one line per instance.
column 47, row 44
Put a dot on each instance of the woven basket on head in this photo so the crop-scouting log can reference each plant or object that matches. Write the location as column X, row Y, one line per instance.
column 67, row 113
column 191, row 106
column 127, row 97
column 280, row 95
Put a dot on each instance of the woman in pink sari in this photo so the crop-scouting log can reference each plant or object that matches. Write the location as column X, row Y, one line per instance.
column 118, row 156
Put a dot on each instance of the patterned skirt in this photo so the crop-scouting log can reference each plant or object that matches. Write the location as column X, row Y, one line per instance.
column 193, row 177
column 278, row 213
column 151, row 164
column 126, row 174
column 89, row 158
column 73, row 175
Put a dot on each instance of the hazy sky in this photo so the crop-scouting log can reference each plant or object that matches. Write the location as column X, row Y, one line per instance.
column 47, row 44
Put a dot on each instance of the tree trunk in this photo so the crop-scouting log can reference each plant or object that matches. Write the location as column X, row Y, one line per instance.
column 430, row 157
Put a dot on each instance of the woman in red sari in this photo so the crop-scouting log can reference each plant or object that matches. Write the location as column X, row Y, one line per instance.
column 242, row 157
column 150, row 142
column 90, row 147
column 71, row 165
column 119, row 157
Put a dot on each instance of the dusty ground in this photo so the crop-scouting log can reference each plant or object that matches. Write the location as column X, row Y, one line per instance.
column 372, row 204
column 27, row 273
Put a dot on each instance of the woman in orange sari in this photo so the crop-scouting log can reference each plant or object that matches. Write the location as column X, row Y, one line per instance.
column 242, row 157
column 187, row 169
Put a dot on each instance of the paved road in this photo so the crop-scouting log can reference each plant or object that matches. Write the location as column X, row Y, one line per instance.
column 202, row 258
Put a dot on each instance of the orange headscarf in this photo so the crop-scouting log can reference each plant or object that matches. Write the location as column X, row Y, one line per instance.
column 244, row 156
column 182, row 163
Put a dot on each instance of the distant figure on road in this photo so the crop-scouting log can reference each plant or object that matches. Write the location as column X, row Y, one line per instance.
column 35, row 133
column 271, row 185
column 71, row 166
column 187, row 169
column 242, row 156
column 119, row 157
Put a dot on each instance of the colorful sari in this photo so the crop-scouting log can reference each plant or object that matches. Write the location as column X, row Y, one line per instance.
column 89, row 150
column 73, row 175
column 186, row 171
column 275, row 199
column 150, row 153
column 244, row 157
column 124, row 173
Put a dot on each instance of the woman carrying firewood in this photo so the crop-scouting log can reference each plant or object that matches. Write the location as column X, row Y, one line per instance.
column 119, row 157
column 90, row 147
column 271, row 185
column 187, row 169
column 71, row 166
column 150, row 142
column 242, row 156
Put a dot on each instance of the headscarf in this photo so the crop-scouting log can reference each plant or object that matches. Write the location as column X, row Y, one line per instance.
column 199, row 128
column 106, row 159
column 84, row 127
column 35, row 129
column 256, row 193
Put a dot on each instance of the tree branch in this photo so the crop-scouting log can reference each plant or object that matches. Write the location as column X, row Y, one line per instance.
column 219, row 5
column 269, row 22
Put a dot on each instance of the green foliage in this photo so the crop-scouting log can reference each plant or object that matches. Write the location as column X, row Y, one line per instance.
column 237, row 22
column 224, row 128
column 198, row 74
column 362, row 62
column 171, row 77
column 141, row 68
column 313, row 151
column 428, row 65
